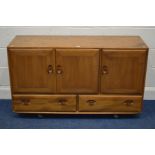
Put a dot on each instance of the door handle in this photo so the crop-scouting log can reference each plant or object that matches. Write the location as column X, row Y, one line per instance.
column 59, row 70
column 105, row 70
column 50, row 69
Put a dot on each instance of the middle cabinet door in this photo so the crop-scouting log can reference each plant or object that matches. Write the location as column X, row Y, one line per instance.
column 77, row 70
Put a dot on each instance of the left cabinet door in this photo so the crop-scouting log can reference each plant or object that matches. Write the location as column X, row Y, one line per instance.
column 32, row 70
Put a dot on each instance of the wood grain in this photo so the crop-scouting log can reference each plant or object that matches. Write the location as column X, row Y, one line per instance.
column 77, row 42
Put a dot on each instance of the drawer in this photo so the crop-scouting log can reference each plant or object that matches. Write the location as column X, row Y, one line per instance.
column 44, row 103
column 109, row 103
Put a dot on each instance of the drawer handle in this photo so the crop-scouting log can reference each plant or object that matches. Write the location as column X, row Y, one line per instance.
column 129, row 102
column 62, row 101
column 50, row 69
column 104, row 70
column 25, row 101
column 91, row 102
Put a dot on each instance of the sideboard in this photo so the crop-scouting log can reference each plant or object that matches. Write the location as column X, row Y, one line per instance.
column 77, row 74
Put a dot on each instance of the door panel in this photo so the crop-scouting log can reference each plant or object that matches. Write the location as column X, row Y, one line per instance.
column 123, row 71
column 32, row 70
column 77, row 70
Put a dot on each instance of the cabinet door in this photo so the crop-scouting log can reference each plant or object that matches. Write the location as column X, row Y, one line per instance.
column 77, row 70
column 123, row 71
column 32, row 71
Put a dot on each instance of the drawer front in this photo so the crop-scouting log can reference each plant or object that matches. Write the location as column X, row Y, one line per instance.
column 44, row 103
column 109, row 103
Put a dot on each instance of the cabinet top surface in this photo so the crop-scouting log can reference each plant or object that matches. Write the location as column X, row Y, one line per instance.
column 134, row 42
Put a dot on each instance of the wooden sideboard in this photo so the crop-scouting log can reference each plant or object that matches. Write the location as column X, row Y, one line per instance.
column 77, row 74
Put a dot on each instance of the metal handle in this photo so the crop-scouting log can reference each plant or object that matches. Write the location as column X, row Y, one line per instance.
column 129, row 102
column 104, row 70
column 50, row 69
column 25, row 101
column 91, row 102
column 62, row 101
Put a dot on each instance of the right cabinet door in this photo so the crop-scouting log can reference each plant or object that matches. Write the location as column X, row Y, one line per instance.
column 123, row 71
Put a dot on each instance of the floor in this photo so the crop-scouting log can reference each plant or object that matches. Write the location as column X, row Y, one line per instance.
column 10, row 120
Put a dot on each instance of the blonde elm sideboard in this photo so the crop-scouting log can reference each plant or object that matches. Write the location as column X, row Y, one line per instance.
column 77, row 74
